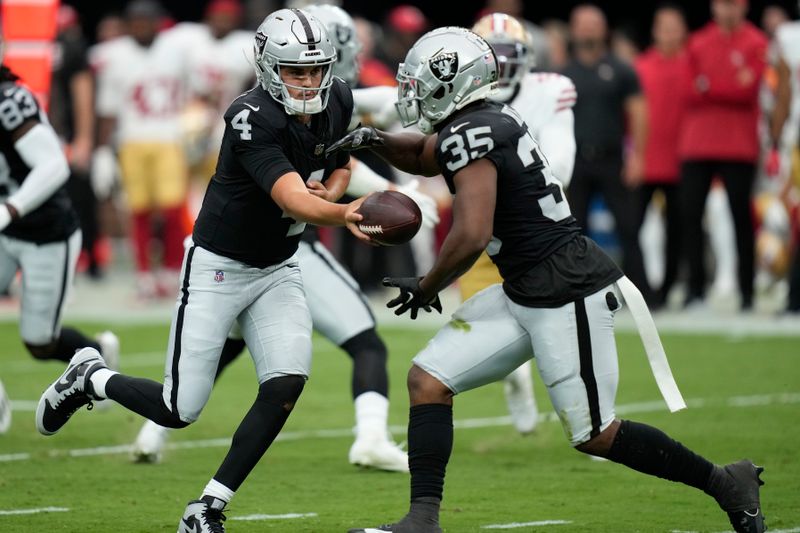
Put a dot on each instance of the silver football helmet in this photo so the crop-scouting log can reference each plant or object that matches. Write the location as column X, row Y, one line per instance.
column 445, row 70
column 342, row 32
column 293, row 38
column 512, row 46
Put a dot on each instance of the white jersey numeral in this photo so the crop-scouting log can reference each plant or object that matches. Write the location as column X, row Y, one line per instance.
column 478, row 142
column 13, row 112
column 553, row 205
column 240, row 123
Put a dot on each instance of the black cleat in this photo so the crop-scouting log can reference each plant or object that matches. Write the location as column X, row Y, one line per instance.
column 68, row 393
column 741, row 501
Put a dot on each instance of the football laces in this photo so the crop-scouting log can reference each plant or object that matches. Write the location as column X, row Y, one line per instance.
column 370, row 229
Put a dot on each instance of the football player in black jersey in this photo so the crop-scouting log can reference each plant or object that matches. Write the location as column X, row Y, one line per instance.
column 339, row 310
column 39, row 233
column 558, row 298
column 242, row 266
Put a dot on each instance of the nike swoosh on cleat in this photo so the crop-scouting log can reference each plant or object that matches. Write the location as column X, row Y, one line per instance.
column 454, row 129
column 62, row 384
column 753, row 515
column 195, row 527
column 254, row 108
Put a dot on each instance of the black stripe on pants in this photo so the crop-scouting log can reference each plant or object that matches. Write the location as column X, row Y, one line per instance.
column 587, row 368
column 176, row 352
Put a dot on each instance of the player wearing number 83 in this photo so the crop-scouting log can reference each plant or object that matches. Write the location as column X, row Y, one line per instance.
column 558, row 298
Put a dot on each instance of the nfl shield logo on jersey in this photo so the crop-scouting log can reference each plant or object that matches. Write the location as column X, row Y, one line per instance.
column 219, row 276
column 318, row 149
column 444, row 66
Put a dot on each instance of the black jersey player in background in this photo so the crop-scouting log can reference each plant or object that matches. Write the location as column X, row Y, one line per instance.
column 39, row 233
column 242, row 266
column 558, row 298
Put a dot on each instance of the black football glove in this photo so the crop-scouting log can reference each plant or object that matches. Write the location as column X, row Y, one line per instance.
column 361, row 137
column 411, row 297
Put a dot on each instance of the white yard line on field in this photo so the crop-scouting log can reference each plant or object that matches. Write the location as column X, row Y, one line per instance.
column 469, row 423
column 33, row 511
column 515, row 525
column 286, row 516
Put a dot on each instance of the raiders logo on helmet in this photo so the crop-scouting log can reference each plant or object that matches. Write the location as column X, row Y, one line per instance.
column 444, row 66
column 261, row 42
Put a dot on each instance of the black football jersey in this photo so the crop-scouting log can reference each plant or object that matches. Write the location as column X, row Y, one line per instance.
column 53, row 220
column 238, row 218
column 532, row 219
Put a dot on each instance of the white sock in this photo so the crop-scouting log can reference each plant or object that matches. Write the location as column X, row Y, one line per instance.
column 99, row 378
column 372, row 414
column 218, row 491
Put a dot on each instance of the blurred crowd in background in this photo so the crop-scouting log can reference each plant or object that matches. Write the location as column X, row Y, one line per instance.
column 686, row 165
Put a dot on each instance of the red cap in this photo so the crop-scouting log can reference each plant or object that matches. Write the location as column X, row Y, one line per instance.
column 66, row 17
column 230, row 7
column 407, row 18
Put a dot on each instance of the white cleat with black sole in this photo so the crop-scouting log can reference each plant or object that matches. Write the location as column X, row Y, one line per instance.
column 68, row 393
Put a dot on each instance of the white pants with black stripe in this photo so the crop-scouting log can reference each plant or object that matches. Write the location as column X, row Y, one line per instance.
column 574, row 347
column 339, row 310
column 269, row 306
column 47, row 274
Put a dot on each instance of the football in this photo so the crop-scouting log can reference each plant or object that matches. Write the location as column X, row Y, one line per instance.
column 390, row 217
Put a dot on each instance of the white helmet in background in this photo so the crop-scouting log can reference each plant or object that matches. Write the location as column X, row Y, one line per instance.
column 342, row 32
column 512, row 46
column 293, row 38
column 445, row 70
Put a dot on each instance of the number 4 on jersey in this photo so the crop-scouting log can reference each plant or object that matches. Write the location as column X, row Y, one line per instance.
column 241, row 124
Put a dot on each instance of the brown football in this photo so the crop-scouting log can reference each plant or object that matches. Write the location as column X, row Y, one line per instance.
column 390, row 217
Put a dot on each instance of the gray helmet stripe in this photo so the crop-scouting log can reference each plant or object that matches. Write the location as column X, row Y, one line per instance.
column 306, row 27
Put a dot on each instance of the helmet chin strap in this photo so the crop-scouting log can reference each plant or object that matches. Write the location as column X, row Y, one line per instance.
column 293, row 106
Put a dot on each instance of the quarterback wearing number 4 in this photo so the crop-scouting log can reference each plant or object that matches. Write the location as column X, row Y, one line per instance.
column 242, row 267
column 558, row 298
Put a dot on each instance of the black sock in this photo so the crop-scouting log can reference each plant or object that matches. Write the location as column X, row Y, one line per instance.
column 142, row 396
column 230, row 351
column 430, row 443
column 69, row 342
column 649, row 450
column 369, row 363
column 260, row 426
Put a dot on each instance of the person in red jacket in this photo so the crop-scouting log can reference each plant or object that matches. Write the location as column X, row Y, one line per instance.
column 663, row 69
column 719, row 134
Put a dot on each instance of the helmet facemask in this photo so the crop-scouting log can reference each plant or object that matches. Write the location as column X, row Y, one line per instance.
column 512, row 64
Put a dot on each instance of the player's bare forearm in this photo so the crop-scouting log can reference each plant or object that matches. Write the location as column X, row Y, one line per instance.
column 457, row 255
column 473, row 213
column 409, row 151
column 337, row 182
column 305, row 207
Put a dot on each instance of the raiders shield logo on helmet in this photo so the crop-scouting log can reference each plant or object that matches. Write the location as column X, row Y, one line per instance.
column 261, row 42
column 444, row 66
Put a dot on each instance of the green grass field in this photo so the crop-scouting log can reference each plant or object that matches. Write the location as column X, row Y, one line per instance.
column 744, row 396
